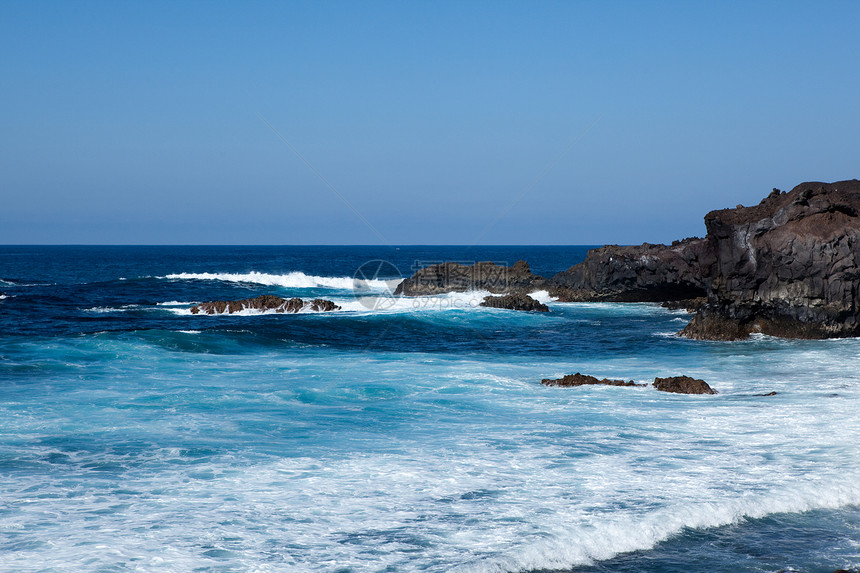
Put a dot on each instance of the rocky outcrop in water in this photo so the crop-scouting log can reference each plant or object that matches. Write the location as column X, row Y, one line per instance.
column 643, row 273
column 456, row 277
column 788, row 267
column 683, row 385
column 516, row 301
column 264, row 303
column 585, row 380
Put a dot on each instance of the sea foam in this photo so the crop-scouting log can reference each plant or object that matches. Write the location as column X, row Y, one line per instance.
column 293, row 279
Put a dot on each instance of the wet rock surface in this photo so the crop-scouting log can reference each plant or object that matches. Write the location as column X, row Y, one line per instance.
column 585, row 380
column 516, row 301
column 264, row 303
column 683, row 385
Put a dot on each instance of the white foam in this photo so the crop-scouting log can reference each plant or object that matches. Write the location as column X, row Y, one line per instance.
column 3, row 297
column 176, row 303
column 543, row 296
column 585, row 543
column 402, row 304
column 485, row 471
column 109, row 309
column 294, row 279
column 372, row 304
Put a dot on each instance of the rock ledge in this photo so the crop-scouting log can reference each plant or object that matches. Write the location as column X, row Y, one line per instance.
column 264, row 302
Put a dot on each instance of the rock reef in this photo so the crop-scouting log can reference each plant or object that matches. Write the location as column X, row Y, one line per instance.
column 683, row 385
column 516, row 301
column 264, row 303
column 787, row 267
column 585, row 380
column 674, row 384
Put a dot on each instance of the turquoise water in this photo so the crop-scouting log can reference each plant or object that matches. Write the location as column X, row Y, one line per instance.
column 399, row 434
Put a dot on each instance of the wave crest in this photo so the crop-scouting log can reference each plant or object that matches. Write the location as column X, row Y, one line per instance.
column 295, row 279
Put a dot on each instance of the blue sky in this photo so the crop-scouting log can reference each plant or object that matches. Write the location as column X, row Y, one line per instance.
column 141, row 122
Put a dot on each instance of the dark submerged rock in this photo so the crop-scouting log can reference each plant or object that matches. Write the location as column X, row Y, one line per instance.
column 516, row 301
column 683, row 385
column 584, row 380
column 456, row 277
column 264, row 302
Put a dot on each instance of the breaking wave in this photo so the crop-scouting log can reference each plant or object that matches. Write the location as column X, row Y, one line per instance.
column 295, row 279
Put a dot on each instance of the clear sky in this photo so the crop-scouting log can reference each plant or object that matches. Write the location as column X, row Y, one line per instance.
column 140, row 122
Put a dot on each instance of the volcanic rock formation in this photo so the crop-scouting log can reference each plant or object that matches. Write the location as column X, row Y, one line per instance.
column 264, row 302
column 787, row 267
column 456, row 277
column 585, row 380
column 683, row 385
column 644, row 273
column 515, row 301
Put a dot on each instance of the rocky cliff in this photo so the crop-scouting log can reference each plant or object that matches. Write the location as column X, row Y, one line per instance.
column 789, row 266
column 644, row 273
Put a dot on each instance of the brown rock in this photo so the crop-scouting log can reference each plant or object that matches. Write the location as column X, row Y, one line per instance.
column 322, row 305
column 456, row 277
column 683, row 385
column 515, row 301
column 584, row 380
column 264, row 302
column 786, row 267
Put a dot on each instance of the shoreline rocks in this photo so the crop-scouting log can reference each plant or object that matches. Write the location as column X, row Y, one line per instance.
column 516, row 301
column 262, row 303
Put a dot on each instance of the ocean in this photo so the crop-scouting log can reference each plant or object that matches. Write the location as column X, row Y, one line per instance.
column 399, row 434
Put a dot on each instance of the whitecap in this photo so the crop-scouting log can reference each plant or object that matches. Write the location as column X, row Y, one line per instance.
column 109, row 309
column 295, row 279
column 543, row 296
column 372, row 304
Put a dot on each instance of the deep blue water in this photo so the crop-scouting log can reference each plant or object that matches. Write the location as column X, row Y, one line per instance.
column 399, row 434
